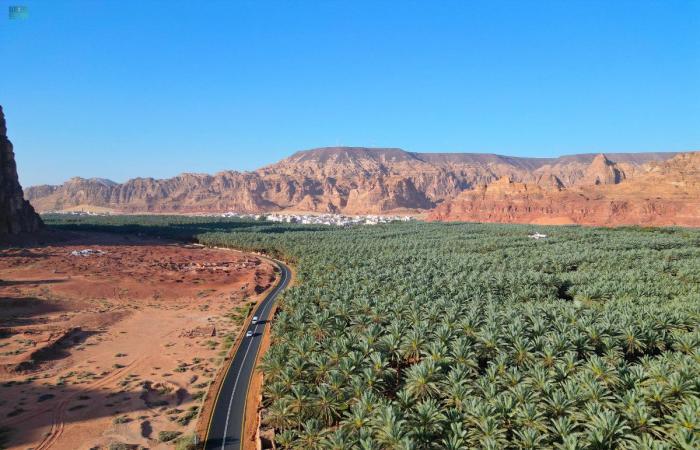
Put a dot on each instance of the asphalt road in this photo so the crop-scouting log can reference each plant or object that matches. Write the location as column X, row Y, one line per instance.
column 226, row 426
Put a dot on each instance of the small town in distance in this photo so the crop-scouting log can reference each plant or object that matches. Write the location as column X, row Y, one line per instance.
column 350, row 225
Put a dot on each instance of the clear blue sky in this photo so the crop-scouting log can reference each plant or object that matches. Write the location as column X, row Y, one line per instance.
column 120, row 89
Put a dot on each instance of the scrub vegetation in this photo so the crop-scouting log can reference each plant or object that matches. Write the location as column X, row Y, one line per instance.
column 457, row 336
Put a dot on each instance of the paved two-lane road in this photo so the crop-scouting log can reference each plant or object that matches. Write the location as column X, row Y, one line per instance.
column 226, row 426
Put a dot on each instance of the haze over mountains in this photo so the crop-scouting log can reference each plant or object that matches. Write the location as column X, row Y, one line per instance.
column 585, row 188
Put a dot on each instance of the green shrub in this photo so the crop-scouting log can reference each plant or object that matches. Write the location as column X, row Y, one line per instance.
column 167, row 436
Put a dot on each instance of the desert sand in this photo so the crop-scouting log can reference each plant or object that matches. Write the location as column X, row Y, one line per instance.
column 117, row 344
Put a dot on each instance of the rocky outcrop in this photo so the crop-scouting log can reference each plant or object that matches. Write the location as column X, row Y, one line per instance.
column 16, row 214
column 661, row 194
column 603, row 171
column 351, row 180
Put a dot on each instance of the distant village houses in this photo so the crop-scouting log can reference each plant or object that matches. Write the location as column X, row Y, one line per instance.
column 305, row 219
column 323, row 219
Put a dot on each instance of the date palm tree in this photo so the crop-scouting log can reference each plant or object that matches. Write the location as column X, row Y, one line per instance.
column 339, row 439
column 456, row 438
column 422, row 380
column 327, row 407
column 311, row 436
column 390, row 429
column 425, row 421
column 605, row 429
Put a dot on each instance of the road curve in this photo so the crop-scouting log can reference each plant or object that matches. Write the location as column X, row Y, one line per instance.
column 227, row 423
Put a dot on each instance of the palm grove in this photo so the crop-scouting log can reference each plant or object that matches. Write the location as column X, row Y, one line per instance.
column 459, row 336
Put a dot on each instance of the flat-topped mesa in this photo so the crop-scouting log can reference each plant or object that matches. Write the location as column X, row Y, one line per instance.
column 349, row 180
column 16, row 214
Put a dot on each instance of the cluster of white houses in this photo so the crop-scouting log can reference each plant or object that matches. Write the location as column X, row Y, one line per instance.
column 322, row 219
column 307, row 219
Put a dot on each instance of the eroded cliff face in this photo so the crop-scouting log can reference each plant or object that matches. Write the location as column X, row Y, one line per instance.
column 350, row 180
column 660, row 194
column 16, row 214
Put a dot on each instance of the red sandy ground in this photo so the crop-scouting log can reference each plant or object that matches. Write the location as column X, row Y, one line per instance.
column 115, row 347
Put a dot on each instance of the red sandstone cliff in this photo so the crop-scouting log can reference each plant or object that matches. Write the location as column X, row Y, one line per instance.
column 661, row 193
column 342, row 179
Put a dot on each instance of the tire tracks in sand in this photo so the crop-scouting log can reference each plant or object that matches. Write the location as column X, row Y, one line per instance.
column 59, row 411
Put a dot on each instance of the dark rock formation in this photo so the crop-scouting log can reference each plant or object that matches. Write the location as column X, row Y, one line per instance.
column 16, row 214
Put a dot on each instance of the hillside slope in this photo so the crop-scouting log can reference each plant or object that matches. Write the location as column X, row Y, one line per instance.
column 351, row 180
column 662, row 193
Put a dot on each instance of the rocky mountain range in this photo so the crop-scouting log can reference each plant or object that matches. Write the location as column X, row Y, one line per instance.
column 350, row 180
column 659, row 193
column 16, row 214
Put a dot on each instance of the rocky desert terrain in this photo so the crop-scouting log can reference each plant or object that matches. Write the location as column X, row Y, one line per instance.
column 591, row 189
column 107, row 340
column 660, row 194
column 346, row 180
